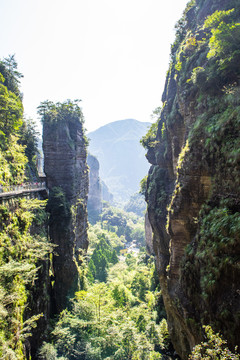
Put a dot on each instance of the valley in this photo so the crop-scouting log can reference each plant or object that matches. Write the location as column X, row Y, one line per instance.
column 127, row 247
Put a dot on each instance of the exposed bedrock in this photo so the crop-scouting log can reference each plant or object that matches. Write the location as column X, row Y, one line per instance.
column 193, row 184
column 95, row 189
column 148, row 235
column 66, row 170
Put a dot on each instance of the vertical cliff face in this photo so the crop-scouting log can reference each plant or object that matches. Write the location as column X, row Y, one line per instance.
column 148, row 235
column 106, row 194
column 193, row 184
column 64, row 147
column 95, row 189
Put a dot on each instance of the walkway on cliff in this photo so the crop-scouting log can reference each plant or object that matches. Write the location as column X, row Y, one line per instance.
column 19, row 190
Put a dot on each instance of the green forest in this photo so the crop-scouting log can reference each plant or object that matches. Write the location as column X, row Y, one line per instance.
column 117, row 314
column 100, row 286
column 118, row 311
column 24, row 243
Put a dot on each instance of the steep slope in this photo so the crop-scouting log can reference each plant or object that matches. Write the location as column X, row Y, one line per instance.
column 122, row 160
column 193, row 190
column 64, row 147
column 24, row 245
column 95, row 190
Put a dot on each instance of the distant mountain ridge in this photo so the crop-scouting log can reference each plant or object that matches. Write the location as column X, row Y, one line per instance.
column 121, row 157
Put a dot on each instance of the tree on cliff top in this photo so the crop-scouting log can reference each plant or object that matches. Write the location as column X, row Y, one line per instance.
column 67, row 110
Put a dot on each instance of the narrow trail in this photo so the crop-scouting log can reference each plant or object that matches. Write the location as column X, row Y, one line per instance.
column 18, row 190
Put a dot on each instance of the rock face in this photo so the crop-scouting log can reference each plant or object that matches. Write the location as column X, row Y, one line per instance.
column 106, row 195
column 66, row 171
column 95, row 189
column 148, row 235
column 193, row 190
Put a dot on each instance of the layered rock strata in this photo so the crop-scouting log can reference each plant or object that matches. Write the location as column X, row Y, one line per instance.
column 65, row 166
column 148, row 235
column 95, row 189
column 193, row 187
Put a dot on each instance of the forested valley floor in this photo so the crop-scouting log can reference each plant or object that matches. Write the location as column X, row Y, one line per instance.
column 119, row 313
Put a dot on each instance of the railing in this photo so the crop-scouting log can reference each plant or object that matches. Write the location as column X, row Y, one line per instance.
column 12, row 190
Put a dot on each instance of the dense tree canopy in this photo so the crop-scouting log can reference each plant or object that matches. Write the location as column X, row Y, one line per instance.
column 68, row 111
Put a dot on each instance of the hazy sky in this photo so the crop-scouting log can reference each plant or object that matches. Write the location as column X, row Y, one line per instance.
column 112, row 54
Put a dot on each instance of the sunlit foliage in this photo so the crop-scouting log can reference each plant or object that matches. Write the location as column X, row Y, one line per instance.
column 21, row 251
column 113, row 320
column 214, row 348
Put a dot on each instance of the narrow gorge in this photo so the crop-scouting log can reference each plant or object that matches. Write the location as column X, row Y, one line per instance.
column 91, row 271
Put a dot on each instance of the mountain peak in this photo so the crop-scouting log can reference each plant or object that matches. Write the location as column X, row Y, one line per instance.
column 121, row 157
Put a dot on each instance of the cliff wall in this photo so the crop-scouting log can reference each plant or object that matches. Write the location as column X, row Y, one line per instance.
column 24, row 246
column 193, row 184
column 106, row 194
column 148, row 235
column 64, row 147
column 95, row 189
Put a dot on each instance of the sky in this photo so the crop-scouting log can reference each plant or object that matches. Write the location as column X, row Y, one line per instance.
column 111, row 54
